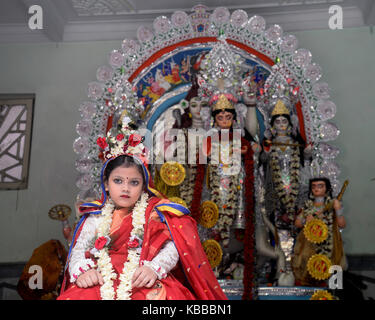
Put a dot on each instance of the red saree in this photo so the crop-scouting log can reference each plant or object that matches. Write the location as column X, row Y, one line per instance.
column 191, row 279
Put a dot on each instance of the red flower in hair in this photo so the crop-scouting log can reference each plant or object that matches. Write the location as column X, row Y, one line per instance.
column 102, row 143
column 134, row 140
column 119, row 137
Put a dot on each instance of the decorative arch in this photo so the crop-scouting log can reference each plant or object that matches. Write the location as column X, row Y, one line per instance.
column 138, row 59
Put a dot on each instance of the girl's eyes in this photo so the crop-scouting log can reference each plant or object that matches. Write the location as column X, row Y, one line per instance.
column 132, row 182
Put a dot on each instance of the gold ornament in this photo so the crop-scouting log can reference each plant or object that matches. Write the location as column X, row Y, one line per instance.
column 222, row 103
column 60, row 212
column 322, row 295
column 279, row 109
column 172, row 173
column 209, row 214
column 179, row 201
column 318, row 266
column 213, row 252
column 316, row 231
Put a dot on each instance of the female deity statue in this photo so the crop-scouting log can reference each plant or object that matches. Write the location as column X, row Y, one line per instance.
column 223, row 190
column 319, row 244
column 283, row 156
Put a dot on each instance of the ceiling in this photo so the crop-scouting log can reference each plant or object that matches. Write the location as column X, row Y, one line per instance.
column 93, row 20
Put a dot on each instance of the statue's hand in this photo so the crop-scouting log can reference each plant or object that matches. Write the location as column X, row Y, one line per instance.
column 244, row 149
column 308, row 150
column 336, row 204
column 309, row 218
column 256, row 148
column 267, row 144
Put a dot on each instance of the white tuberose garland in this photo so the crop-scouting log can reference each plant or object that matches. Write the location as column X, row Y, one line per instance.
column 124, row 290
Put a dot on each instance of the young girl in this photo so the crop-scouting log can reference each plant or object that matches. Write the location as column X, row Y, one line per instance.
column 133, row 244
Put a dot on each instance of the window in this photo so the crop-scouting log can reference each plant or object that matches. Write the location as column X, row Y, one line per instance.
column 16, row 118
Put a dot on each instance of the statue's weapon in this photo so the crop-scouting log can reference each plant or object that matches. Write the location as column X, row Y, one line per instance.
column 329, row 205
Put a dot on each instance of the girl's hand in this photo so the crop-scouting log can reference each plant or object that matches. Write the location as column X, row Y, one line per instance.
column 90, row 278
column 144, row 277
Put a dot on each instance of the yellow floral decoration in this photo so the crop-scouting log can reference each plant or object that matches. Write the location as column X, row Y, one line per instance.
column 209, row 214
column 316, row 231
column 172, row 173
column 318, row 266
column 322, row 295
column 213, row 252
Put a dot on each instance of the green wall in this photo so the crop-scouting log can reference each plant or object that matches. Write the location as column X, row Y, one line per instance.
column 59, row 73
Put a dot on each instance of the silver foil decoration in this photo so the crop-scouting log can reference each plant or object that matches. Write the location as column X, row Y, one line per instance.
column 256, row 24
column 326, row 109
column 87, row 109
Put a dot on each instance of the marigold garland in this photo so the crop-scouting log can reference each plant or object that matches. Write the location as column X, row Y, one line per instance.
column 249, row 242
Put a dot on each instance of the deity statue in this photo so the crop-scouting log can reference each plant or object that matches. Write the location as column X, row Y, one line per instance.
column 190, row 121
column 284, row 152
column 249, row 98
column 223, row 192
column 319, row 244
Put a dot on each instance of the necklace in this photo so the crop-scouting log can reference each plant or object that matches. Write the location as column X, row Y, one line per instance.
column 105, row 267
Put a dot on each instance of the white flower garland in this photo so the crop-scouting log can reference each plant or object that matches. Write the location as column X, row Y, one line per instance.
column 124, row 290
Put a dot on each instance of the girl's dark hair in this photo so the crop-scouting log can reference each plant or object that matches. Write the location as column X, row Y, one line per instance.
column 327, row 183
column 126, row 162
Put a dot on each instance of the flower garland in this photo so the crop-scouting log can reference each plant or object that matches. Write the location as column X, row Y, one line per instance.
column 226, row 210
column 287, row 198
column 249, row 242
column 105, row 267
column 249, row 237
column 186, row 191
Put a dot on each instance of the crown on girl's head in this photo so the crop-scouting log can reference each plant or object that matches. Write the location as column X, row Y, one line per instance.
column 122, row 142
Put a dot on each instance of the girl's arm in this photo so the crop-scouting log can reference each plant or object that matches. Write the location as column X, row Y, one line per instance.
column 78, row 262
column 164, row 261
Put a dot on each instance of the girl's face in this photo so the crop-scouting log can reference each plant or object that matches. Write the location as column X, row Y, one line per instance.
column 125, row 186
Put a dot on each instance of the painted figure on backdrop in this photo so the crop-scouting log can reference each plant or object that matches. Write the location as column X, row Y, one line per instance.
column 319, row 244
column 134, row 243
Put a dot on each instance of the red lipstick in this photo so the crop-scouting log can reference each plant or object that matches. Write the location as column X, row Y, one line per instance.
column 125, row 196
